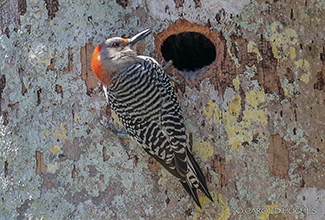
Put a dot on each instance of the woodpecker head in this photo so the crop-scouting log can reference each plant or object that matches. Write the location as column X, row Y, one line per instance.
column 114, row 55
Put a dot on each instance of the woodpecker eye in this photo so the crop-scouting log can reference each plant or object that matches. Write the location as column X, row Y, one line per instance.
column 115, row 44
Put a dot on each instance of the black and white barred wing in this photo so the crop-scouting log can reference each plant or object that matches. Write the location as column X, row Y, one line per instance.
column 173, row 123
column 146, row 104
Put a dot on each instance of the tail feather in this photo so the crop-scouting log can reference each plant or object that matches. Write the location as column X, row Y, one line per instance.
column 190, row 189
column 195, row 180
column 202, row 183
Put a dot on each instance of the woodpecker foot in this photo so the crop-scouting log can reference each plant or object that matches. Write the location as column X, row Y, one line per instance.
column 123, row 136
column 173, row 79
column 167, row 64
column 109, row 126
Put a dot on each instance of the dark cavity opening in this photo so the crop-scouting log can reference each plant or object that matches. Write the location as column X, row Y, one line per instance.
column 189, row 51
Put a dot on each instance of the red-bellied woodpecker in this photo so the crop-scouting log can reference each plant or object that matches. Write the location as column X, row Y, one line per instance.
column 139, row 91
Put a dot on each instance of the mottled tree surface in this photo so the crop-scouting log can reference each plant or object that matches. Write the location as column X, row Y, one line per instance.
column 254, row 116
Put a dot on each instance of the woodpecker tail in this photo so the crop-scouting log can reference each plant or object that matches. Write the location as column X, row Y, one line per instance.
column 195, row 180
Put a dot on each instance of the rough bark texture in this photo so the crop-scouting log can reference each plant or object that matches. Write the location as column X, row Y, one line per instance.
column 255, row 116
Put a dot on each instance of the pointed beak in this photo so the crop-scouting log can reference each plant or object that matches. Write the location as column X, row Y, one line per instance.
column 135, row 39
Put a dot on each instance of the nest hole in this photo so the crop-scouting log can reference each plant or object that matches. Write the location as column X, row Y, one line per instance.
column 189, row 51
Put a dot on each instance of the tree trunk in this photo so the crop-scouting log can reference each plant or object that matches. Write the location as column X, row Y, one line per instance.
column 253, row 103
